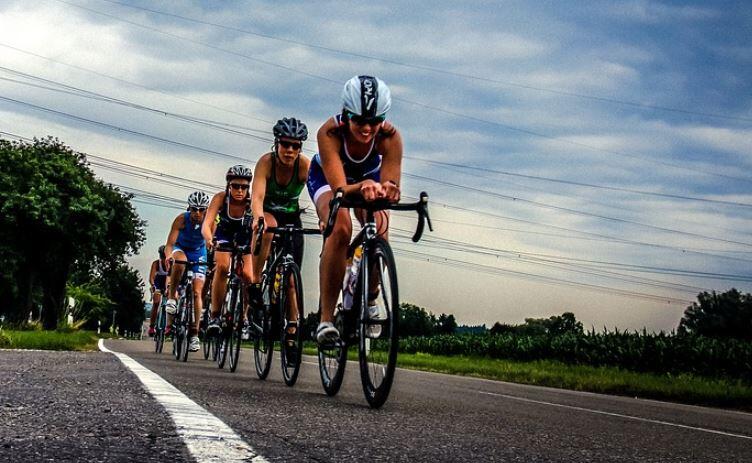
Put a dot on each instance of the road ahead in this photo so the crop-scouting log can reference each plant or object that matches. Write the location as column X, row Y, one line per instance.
column 429, row 417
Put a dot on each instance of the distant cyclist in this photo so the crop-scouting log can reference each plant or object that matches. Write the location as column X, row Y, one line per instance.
column 359, row 152
column 158, row 285
column 279, row 178
column 230, row 211
column 185, row 242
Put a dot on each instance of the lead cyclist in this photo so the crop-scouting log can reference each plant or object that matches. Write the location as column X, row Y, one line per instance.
column 359, row 152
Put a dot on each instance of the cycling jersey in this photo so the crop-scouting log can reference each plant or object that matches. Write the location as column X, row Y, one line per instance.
column 283, row 198
column 191, row 242
column 160, row 278
column 232, row 229
column 356, row 170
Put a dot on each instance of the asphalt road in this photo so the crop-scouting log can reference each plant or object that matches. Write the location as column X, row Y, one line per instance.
column 428, row 417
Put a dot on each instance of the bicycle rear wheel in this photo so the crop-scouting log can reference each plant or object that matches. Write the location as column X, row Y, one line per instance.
column 333, row 358
column 263, row 343
column 291, row 344
column 206, row 339
column 378, row 337
column 236, row 336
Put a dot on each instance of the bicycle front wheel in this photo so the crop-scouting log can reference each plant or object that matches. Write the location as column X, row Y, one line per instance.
column 236, row 336
column 333, row 357
column 379, row 316
column 292, row 316
column 263, row 343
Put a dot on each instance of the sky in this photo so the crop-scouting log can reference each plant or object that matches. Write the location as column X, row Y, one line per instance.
column 593, row 159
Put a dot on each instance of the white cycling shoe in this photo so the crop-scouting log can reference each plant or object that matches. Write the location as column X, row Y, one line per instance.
column 376, row 312
column 171, row 306
column 326, row 332
column 194, row 345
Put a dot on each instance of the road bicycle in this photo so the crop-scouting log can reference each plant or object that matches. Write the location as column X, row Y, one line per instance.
column 160, row 326
column 370, row 285
column 184, row 315
column 282, row 313
column 231, row 334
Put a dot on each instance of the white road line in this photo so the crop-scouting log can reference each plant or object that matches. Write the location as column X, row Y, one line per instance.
column 619, row 415
column 206, row 436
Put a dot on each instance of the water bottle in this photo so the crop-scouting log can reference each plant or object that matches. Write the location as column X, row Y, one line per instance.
column 351, row 278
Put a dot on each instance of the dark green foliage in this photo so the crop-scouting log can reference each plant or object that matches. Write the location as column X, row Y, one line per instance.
column 658, row 353
column 56, row 217
column 416, row 321
column 727, row 314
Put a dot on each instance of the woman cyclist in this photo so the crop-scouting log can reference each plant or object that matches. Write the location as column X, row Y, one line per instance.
column 158, row 284
column 186, row 243
column 231, row 211
column 359, row 152
column 278, row 179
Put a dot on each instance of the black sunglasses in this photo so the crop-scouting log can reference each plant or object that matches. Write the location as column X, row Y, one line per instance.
column 360, row 120
column 290, row 144
column 198, row 209
column 239, row 186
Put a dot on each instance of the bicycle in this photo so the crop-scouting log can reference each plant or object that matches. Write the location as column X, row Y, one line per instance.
column 209, row 342
column 282, row 294
column 184, row 316
column 159, row 327
column 231, row 334
column 372, row 280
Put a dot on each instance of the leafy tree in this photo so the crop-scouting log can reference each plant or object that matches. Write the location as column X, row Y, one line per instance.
column 416, row 321
column 54, row 214
column 91, row 304
column 726, row 314
column 446, row 324
column 124, row 288
column 502, row 328
column 554, row 325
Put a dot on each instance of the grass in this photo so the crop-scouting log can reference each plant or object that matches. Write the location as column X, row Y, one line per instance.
column 49, row 340
column 684, row 388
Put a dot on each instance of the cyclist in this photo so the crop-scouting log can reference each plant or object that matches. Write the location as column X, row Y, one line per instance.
column 230, row 211
column 279, row 177
column 185, row 242
column 359, row 152
column 157, row 284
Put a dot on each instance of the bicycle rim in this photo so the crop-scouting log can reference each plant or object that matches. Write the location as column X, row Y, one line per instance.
column 236, row 336
column 378, row 347
column 333, row 359
column 291, row 346
column 263, row 346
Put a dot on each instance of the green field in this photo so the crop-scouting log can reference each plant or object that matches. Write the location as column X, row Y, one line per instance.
column 48, row 340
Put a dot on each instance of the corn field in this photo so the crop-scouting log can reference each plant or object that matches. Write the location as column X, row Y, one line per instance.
column 646, row 352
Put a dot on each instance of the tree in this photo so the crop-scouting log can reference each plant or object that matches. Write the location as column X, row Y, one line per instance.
column 416, row 321
column 726, row 314
column 54, row 214
column 124, row 288
column 446, row 324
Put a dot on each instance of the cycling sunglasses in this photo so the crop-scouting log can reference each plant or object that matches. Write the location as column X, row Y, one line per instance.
column 239, row 186
column 290, row 144
column 360, row 120
column 198, row 209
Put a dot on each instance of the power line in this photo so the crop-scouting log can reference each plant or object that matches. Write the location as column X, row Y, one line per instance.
column 415, row 103
column 601, row 99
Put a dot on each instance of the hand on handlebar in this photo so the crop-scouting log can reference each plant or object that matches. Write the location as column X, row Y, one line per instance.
column 391, row 191
column 371, row 190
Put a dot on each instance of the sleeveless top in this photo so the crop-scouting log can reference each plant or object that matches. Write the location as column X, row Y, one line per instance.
column 160, row 269
column 283, row 198
column 190, row 236
column 227, row 224
column 356, row 169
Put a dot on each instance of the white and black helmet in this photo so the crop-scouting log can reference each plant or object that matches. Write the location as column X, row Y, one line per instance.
column 366, row 96
column 290, row 128
column 198, row 199
column 239, row 171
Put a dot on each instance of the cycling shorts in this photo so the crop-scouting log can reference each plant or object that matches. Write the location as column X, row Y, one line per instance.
column 195, row 255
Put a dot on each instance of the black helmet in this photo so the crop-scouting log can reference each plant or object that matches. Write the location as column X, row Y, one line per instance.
column 290, row 128
column 161, row 252
column 239, row 171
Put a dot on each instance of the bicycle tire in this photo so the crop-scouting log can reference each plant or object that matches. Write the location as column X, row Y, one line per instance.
column 178, row 337
column 263, row 343
column 223, row 337
column 236, row 335
column 291, row 367
column 159, row 336
column 333, row 358
column 377, row 354
column 187, row 321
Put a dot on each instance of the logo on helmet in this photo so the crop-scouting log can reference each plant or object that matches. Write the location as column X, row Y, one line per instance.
column 368, row 92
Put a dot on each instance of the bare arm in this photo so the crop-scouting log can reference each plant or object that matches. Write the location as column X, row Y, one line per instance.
column 391, row 162
column 329, row 146
column 153, row 273
column 258, row 188
column 172, row 237
column 207, row 228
